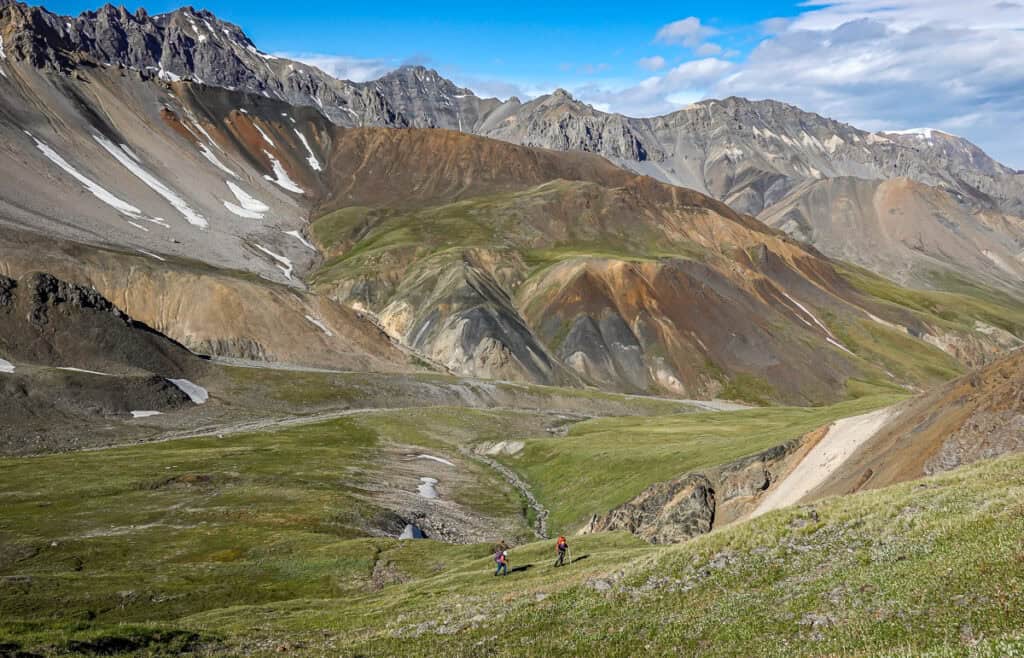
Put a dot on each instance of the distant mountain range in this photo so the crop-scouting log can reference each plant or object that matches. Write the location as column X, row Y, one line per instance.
column 761, row 157
column 165, row 161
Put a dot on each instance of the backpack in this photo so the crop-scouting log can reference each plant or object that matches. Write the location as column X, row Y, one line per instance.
column 497, row 557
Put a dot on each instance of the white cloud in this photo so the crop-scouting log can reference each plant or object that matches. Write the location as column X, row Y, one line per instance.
column 343, row 67
column 661, row 93
column 655, row 63
column 894, row 64
column 689, row 32
column 878, row 64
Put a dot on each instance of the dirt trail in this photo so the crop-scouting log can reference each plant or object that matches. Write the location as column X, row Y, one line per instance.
column 842, row 440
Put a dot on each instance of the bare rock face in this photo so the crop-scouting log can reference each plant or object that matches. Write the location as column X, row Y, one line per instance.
column 50, row 322
column 666, row 513
column 197, row 45
column 985, row 435
column 693, row 504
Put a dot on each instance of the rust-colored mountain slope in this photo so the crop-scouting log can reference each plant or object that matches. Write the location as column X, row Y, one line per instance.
column 526, row 264
column 978, row 416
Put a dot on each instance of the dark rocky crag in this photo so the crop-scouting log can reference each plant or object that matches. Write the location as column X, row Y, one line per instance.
column 695, row 503
column 48, row 322
column 77, row 358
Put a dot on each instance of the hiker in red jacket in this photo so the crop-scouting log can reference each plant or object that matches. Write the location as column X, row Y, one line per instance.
column 501, row 558
column 561, row 546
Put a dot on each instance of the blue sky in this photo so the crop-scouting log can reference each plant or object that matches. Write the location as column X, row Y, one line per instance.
column 879, row 64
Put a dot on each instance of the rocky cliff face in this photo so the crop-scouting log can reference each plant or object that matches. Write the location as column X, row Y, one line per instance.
column 50, row 322
column 196, row 45
column 695, row 503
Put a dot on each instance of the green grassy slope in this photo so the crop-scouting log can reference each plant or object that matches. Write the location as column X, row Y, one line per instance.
column 155, row 532
column 171, row 538
column 928, row 568
column 602, row 463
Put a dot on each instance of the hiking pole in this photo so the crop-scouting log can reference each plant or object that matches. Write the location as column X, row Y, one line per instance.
column 570, row 555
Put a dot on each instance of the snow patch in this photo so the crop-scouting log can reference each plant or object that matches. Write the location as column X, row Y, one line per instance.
column 88, row 372
column 285, row 264
column 195, row 392
column 506, row 448
column 266, row 57
column 212, row 157
column 145, row 414
column 151, row 254
column 250, row 207
column 94, row 188
column 3, row 54
column 313, row 162
column 241, row 212
column 121, row 155
column 439, row 460
column 412, row 532
column 167, row 76
column 246, row 201
column 835, row 342
column 281, row 177
column 922, row 133
column 828, row 334
column 6, row 367
column 298, row 236
column 427, row 488
column 320, row 325
column 266, row 138
column 808, row 313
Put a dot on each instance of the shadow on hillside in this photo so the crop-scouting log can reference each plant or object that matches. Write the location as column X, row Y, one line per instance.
column 525, row 567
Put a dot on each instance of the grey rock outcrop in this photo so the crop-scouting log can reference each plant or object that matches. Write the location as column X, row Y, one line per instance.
column 665, row 513
column 695, row 503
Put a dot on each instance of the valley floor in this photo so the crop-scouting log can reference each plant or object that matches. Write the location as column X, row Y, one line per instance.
column 282, row 541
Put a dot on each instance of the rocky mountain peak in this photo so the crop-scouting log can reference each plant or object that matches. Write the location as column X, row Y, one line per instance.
column 748, row 153
column 424, row 78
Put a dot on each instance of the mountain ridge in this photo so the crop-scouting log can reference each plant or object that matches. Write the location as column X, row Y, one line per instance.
column 495, row 259
column 416, row 96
